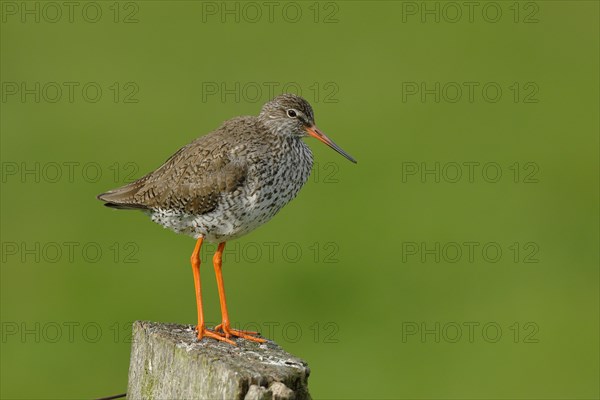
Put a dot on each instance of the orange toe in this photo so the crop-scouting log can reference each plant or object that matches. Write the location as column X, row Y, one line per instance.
column 248, row 335
column 203, row 332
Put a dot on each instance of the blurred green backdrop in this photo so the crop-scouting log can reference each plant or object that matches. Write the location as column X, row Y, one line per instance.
column 385, row 276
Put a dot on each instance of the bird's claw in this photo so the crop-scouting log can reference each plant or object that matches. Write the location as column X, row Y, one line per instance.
column 203, row 332
column 228, row 331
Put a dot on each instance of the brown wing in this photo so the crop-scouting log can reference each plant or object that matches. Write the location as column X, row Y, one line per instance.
column 191, row 180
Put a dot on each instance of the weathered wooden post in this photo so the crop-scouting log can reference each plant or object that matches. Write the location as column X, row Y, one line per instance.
column 167, row 362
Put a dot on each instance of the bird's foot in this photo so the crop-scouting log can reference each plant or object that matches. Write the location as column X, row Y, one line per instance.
column 228, row 331
column 203, row 332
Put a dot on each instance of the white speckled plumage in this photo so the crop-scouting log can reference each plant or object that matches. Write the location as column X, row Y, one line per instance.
column 250, row 205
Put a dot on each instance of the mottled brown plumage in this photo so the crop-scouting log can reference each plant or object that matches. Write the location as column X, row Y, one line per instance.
column 194, row 177
column 227, row 183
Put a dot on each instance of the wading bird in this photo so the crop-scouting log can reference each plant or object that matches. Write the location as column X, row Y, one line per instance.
column 227, row 183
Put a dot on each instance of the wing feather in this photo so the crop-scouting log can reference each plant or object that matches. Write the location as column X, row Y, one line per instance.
column 193, row 179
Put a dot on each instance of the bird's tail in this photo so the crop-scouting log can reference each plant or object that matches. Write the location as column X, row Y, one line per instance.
column 123, row 198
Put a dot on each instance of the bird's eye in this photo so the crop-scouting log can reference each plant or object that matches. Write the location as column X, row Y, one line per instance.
column 292, row 113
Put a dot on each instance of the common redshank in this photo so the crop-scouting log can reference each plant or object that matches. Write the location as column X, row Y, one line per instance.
column 227, row 183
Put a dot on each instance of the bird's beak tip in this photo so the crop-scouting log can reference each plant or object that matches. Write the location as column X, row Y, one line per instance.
column 316, row 133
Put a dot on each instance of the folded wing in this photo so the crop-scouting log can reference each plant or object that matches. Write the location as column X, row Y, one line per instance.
column 192, row 180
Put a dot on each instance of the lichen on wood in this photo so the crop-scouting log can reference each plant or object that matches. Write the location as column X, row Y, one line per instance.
column 168, row 362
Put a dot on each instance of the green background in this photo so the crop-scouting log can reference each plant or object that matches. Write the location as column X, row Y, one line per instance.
column 348, row 308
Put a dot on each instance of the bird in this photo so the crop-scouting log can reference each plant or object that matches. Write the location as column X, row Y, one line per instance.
column 227, row 183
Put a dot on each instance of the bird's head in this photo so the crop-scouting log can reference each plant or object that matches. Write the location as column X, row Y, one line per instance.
column 291, row 115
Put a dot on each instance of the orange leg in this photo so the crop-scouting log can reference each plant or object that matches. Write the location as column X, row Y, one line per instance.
column 225, row 325
column 202, row 331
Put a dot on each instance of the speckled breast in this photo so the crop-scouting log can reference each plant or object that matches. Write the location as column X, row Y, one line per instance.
column 274, row 178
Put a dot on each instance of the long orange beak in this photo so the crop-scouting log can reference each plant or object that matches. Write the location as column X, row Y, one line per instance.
column 316, row 133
